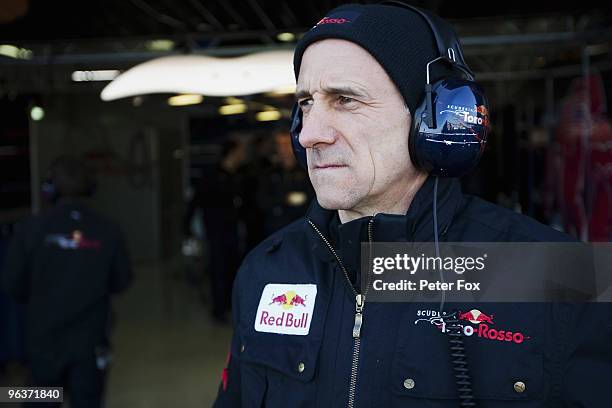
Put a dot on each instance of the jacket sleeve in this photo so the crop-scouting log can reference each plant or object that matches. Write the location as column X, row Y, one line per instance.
column 230, row 389
column 15, row 271
column 121, row 270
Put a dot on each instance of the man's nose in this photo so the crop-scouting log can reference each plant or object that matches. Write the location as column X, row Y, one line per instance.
column 317, row 127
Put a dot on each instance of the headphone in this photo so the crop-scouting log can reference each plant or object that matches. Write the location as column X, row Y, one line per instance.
column 449, row 127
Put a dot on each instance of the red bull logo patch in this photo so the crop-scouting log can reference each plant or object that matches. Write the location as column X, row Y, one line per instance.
column 286, row 309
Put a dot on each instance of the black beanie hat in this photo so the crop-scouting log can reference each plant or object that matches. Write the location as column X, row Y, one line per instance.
column 398, row 38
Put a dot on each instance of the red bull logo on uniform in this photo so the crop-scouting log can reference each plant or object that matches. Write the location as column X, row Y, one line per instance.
column 289, row 299
column 476, row 316
column 75, row 240
column 286, row 308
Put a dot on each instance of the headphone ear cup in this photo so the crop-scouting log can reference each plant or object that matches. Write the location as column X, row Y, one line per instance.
column 422, row 118
column 452, row 147
column 415, row 125
column 296, row 127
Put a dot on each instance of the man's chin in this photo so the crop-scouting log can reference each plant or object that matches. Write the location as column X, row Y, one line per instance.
column 334, row 203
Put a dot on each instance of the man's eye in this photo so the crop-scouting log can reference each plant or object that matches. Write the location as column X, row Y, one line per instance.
column 345, row 100
column 305, row 103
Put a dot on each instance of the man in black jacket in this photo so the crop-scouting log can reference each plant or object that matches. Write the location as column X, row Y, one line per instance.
column 304, row 331
column 65, row 264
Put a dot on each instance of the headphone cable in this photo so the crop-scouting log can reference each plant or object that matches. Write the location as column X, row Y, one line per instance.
column 453, row 329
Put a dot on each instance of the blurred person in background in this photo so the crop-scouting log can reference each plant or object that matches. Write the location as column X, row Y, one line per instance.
column 285, row 190
column 11, row 322
column 64, row 265
column 582, row 149
column 221, row 197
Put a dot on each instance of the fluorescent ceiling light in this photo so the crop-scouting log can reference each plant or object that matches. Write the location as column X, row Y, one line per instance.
column 266, row 116
column 296, row 198
column 230, row 100
column 233, row 109
column 101, row 75
column 286, row 37
column 160, row 45
column 37, row 113
column 205, row 75
column 286, row 90
column 185, row 99
column 15, row 52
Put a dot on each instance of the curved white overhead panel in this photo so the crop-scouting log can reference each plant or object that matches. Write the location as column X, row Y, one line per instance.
column 200, row 74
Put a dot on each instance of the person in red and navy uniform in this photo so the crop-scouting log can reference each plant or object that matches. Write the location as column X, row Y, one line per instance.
column 65, row 264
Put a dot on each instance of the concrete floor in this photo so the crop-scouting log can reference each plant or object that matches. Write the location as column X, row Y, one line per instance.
column 167, row 351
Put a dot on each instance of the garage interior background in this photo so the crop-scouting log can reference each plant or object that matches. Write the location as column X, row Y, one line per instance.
column 526, row 58
column 546, row 68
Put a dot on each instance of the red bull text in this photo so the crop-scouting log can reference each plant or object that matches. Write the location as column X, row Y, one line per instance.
column 284, row 320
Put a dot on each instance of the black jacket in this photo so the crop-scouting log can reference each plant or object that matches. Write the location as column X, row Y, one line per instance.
column 65, row 264
column 562, row 357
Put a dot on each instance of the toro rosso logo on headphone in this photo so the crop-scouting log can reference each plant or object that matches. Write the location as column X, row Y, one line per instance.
column 478, row 116
column 343, row 17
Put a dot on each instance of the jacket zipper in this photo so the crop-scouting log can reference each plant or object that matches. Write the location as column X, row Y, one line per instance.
column 359, row 304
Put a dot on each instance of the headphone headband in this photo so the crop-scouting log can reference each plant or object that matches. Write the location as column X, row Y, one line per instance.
column 444, row 35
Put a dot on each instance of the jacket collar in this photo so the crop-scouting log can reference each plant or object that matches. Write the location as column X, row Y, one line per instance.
column 416, row 225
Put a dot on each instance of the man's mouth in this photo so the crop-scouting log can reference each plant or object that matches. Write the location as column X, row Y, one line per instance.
column 329, row 166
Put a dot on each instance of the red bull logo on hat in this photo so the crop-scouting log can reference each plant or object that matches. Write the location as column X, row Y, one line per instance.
column 286, row 308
